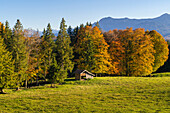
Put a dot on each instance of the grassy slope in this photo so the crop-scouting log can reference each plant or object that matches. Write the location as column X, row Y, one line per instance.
column 165, row 74
column 109, row 94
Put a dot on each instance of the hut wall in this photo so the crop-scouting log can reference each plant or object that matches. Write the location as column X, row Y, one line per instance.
column 89, row 76
column 77, row 76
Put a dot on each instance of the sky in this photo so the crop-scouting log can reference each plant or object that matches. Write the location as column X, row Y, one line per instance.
column 36, row 14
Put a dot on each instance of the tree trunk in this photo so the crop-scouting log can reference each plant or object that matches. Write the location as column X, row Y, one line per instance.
column 37, row 73
column 1, row 91
column 45, row 70
column 26, row 83
column 17, row 86
column 37, row 80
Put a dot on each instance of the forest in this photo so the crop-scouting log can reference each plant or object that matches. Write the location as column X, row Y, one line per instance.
column 26, row 56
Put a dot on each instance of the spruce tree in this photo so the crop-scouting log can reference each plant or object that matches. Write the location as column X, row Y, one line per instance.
column 53, row 72
column 8, row 37
column 47, row 46
column 74, row 36
column 97, row 25
column 69, row 31
column 64, row 51
column 7, row 77
column 19, row 52
column 90, row 59
column 2, row 30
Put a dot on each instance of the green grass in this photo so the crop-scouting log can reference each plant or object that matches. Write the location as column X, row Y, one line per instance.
column 103, row 94
column 165, row 74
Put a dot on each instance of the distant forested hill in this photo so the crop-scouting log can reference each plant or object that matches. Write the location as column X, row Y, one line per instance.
column 160, row 24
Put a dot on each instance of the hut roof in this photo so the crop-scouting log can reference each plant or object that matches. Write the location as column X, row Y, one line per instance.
column 79, row 71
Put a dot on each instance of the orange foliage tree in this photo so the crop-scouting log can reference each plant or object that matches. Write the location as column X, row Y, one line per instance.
column 132, row 52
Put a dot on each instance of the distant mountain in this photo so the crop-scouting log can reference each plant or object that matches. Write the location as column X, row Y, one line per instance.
column 160, row 24
column 53, row 30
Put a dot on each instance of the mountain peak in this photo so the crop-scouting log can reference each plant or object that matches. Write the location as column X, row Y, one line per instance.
column 165, row 15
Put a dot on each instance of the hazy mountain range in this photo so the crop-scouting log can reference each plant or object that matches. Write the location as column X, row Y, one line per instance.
column 160, row 24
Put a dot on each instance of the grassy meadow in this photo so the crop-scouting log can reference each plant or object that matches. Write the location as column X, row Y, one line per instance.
column 101, row 94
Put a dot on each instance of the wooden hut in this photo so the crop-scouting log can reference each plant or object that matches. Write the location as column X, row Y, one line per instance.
column 81, row 74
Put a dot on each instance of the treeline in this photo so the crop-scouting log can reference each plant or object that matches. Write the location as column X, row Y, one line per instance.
column 26, row 56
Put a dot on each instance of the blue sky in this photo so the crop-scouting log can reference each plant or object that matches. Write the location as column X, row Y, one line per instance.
column 37, row 14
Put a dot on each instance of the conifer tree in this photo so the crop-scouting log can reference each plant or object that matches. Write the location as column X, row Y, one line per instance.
column 7, row 76
column 47, row 46
column 69, row 31
column 74, row 36
column 90, row 54
column 97, row 25
column 8, row 37
column 2, row 29
column 53, row 72
column 64, row 51
column 19, row 53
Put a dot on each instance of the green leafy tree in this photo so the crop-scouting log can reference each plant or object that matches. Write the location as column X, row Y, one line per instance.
column 166, row 66
column 64, row 51
column 161, row 48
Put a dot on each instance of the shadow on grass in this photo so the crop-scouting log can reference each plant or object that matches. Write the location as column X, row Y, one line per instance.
column 2, row 93
column 70, row 79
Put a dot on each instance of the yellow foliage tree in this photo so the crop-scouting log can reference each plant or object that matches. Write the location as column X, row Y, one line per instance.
column 92, row 51
column 132, row 52
column 161, row 49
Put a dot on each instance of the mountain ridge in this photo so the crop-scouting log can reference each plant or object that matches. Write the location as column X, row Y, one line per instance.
column 160, row 24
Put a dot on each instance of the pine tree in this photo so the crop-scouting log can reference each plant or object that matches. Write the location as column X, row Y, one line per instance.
column 53, row 72
column 19, row 52
column 7, row 76
column 97, row 25
column 47, row 46
column 69, row 31
column 8, row 37
column 74, row 36
column 2, row 29
column 64, row 51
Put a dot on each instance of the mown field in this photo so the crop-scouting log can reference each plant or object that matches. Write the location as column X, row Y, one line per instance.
column 102, row 94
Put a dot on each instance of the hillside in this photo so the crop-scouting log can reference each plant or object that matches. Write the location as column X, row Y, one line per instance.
column 160, row 24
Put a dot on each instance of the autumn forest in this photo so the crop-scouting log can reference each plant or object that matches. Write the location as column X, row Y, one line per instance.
column 27, row 56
